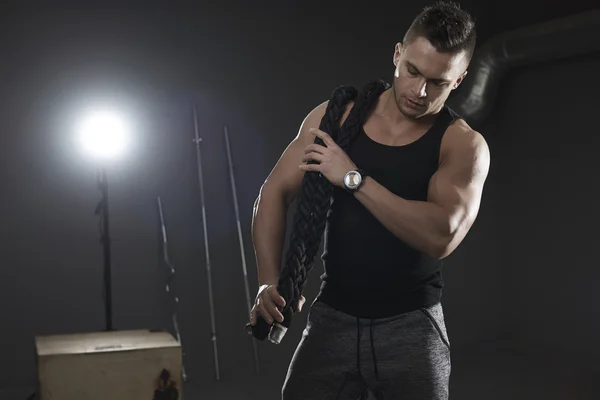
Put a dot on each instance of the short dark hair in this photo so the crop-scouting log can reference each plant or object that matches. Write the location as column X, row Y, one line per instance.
column 446, row 26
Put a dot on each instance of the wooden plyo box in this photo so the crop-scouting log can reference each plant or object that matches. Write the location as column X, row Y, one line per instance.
column 116, row 365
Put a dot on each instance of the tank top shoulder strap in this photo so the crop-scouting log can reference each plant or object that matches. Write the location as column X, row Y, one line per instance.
column 446, row 117
column 453, row 113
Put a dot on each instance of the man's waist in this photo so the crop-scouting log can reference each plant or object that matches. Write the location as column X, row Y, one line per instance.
column 380, row 302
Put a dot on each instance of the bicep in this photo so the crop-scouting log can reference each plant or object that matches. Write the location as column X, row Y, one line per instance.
column 457, row 186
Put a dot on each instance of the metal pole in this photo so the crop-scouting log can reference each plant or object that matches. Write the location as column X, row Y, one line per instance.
column 241, row 240
column 102, row 209
column 197, row 140
column 168, row 285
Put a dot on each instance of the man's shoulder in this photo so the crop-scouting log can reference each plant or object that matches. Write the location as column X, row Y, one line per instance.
column 319, row 111
column 313, row 120
column 461, row 138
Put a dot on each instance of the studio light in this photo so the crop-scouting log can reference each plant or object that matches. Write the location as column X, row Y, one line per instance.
column 104, row 136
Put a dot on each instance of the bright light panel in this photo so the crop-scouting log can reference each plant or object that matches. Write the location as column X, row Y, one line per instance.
column 104, row 134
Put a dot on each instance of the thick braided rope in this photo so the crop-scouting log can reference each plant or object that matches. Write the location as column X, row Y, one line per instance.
column 314, row 187
column 323, row 197
column 315, row 195
column 317, row 190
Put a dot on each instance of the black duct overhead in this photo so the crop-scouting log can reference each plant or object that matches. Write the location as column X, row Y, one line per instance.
column 556, row 39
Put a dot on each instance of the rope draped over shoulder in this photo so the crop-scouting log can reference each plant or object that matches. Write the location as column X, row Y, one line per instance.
column 313, row 203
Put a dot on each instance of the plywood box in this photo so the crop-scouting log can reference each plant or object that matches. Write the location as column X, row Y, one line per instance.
column 117, row 365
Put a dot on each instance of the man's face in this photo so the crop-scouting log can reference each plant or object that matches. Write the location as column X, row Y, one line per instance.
column 424, row 78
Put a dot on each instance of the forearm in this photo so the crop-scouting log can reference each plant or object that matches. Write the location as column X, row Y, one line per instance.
column 423, row 225
column 268, row 234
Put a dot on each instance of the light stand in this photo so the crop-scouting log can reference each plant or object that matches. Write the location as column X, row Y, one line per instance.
column 104, row 135
column 102, row 210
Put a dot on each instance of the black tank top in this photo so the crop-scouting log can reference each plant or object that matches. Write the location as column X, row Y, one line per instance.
column 370, row 273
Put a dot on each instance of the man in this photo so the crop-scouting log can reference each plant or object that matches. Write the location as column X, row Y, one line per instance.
column 406, row 194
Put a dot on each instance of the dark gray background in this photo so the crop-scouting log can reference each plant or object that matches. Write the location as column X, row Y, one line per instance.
column 520, row 304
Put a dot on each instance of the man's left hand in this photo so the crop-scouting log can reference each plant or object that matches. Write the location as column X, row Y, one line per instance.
column 333, row 162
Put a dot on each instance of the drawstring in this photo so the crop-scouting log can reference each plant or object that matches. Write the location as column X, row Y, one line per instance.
column 358, row 336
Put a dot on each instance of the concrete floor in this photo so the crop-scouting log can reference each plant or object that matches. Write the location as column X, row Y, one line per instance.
column 478, row 374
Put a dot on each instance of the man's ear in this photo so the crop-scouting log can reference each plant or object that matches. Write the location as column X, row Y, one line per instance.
column 397, row 52
column 460, row 79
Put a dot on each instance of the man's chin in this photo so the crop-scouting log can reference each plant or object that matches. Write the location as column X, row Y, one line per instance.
column 411, row 112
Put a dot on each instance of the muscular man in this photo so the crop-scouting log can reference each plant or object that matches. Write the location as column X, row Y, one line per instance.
column 406, row 194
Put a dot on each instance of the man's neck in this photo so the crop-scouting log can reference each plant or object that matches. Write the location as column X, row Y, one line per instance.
column 389, row 110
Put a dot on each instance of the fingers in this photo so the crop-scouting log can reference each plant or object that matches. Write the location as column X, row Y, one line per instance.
column 315, row 148
column 310, row 167
column 275, row 297
column 266, row 306
column 314, row 152
column 271, row 313
column 323, row 136
column 268, row 310
column 313, row 157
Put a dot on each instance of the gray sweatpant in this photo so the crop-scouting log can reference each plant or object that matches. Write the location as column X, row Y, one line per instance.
column 405, row 357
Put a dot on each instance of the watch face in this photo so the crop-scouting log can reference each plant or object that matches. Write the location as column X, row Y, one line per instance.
column 352, row 179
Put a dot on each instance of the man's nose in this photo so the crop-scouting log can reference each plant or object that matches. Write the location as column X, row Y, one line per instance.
column 421, row 89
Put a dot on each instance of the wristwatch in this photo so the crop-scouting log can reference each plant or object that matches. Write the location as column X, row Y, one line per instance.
column 354, row 179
